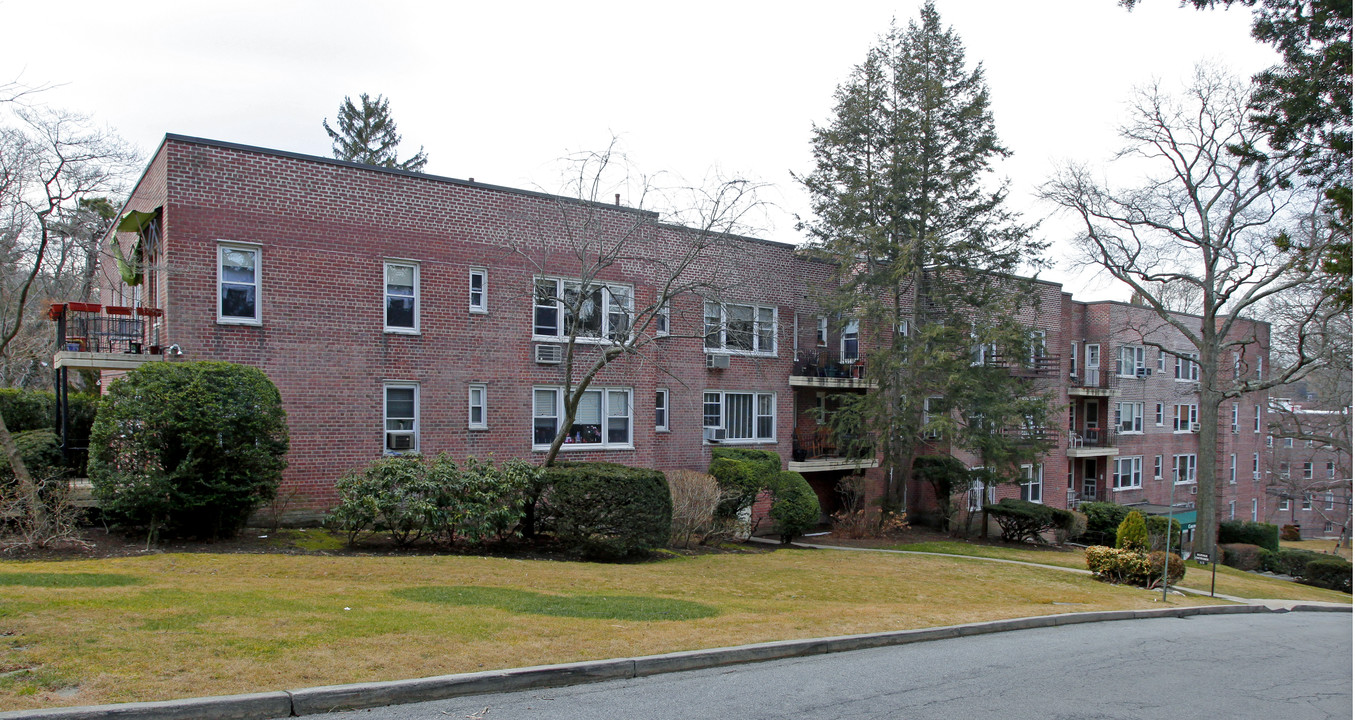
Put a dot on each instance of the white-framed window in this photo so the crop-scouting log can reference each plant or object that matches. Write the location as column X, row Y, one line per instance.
column 1159, row 414
column 479, row 290
column 1161, row 360
column 661, row 410
column 1307, row 502
column 1234, row 424
column 1072, row 360
column 1284, row 470
column 1032, row 483
column 1037, row 345
column 402, row 297
column 602, row 419
column 1270, row 441
column 1130, row 360
column 1157, row 467
column 1127, row 472
column 1237, row 365
column 1188, row 367
column 903, row 328
column 1093, row 356
column 1256, row 419
column 663, row 318
column 1283, row 504
column 975, row 496
column 1307, row 471
column 1327, row 526
column 1183, row 470
column 1129, row 417
column 1256, row 466
column 1232, row 468
column 1185, row 416
column 851, row 341
column 604, row 311
column 1260, row 367
column 742, row 329
column 238, row 287
column 1329, row 500
column 928, row 414
column 477, row 407
column 1331, row 469
column 401, row 417
column 745, row 416
column 1232, row 509
column 821, row 331
column 981, row 353
column 1289, row 442
column 1253, row 509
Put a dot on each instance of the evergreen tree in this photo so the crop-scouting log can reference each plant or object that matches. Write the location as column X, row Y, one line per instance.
column 367, row 135
column 906, row 206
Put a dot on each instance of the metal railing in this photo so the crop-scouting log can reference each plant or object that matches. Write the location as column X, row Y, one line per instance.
column 89, row 327
column 821, row 442
column 827, row 364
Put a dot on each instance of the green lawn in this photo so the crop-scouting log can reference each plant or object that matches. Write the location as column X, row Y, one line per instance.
column 179, row 625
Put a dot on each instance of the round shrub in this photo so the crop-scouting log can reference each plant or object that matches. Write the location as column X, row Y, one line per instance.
column 1158, row 534
column 1252, row 533
column 393, row 494
column 1242, row 556
column 41, row 453
column 1332, row 573
column 740, row 483
column 607, row 511
column 1103, row 519
column 1022, row 520
column 1288, row 561
column 1176, row 569
column 188, row 448
column 1132, row 533
column 795, row 507
column 1290, row 533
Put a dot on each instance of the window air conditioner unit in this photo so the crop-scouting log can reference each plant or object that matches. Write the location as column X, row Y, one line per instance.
column 1194, row 490
column 549, row 354
column 717, row 362
column 1194, row 427
column 1143, row 372
column 402, row 441
column 712, row 435
column 1256, row 475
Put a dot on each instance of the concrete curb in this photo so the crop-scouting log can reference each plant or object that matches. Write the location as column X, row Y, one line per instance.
column 356, row 696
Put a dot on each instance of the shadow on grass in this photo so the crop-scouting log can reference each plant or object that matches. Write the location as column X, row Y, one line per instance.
column 67, row 580
column 611, row 607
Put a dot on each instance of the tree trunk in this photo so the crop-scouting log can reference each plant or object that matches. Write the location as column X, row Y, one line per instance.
column 28, row 490
column 1206, row 504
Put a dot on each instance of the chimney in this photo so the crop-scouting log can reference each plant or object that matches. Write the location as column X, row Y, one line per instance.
column 618, row 198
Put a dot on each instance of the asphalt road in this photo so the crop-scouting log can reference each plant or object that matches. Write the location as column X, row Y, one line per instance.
column 1292, row 666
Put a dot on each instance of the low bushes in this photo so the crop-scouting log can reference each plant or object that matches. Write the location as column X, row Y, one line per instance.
column 1021, row 520
column 743, row 473
column 1251, row 533
column 1243, row 556
column 1332, row 573
column 1103, row 519
column 1288, row 561
column 1133, row 567
column 795, row 507
column 1290, row 533
column 607, row 511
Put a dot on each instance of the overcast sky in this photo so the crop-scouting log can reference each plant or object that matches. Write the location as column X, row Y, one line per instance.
column 500, row 93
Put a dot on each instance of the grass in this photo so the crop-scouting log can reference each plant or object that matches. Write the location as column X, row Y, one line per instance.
column 1229, row 581
column 1322, row 546
column 204, row 624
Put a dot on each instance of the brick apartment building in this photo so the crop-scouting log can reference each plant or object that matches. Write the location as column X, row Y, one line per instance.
column 1309, row 483
column 397, row 312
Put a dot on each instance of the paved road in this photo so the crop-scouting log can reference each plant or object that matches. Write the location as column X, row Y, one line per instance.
column 1291, row 666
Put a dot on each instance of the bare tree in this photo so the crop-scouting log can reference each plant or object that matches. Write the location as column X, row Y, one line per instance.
column 608, row 278
column 1208, row 221
column 49, row 162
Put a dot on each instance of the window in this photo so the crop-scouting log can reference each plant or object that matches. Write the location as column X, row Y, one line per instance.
column 821, row 332
column 1331, row 469
column 1037, row 345
column 1129, row 417
column 1161, row 360
column 1129, row 361
column 928, row 415
column 1237, row 365
column 402, row 417
column 602, row 419
column 1307, row 502
column 1329, row 500
column 1188, row 367
column 662, row 317
column 745, row 416
column 1234, row 425
column 238, row 285
column 1270, row 441
column 1253, row 509
column 1158, row 414
column 603, row 312
column 1157, row 467
column 1327, row 526
column 1284, row 504
column 1127, row 472
column 741, row 328
column 1185, row 417
column 851, row 341
column 1072, row 360
column 1256, row 419
column 1093, row 356
column 1289, row 442
column 1284, row 470
column 1232, row 509
column 1307, row 471
column 479, row 292
column 661, row 410
column 1184, row 468
column 1032, row 483
column 1256, row 466
column 1232, row 468
column 475, row 412
column 402, row 297
column 981, row 353
column 1260, row 367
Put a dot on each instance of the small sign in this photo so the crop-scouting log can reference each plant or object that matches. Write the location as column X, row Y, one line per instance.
column 1201, row 558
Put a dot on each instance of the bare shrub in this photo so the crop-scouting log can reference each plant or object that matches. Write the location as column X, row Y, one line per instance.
column 21, row 530
column 696, row 496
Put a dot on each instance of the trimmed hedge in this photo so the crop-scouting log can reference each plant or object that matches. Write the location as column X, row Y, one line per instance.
column 795, row 507
column 41, row 453
column 1332, row 573
column 1132, row 567
column 190, row 448
column 1243, row 556
column 1021, row 520
column 1103, row 519
column 608, row 511
column 1289, row 561
column 1252, row 533
column 743, row 473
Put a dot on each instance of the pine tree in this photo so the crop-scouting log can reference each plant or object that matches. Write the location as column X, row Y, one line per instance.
column 368, row 135
column 905, row 204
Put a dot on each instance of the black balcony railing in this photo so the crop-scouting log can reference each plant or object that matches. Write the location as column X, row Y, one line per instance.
column 1092, row 437
column 1035, row 366
column 827, row 364
column 821, row 442
column 89, row 327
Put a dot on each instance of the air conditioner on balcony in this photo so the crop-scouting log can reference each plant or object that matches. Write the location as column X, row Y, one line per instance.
column 1143, row 372
column 712, row 435
column 1194, row 427
column 550, row 354
column 717, row 362
column 401, row 441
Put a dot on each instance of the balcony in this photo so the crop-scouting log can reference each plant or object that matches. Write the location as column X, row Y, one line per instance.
column 1091, row 382
column 819, row 449
column 104, row 337
column 1036, row 366
column 825, row 369
column 1091, row 442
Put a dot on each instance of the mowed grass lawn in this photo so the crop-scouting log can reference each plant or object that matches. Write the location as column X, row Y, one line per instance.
column 1229, row 581
column 182, row 625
